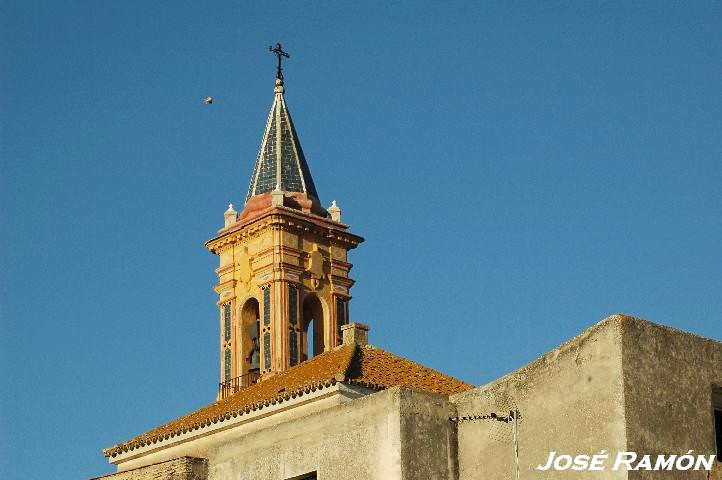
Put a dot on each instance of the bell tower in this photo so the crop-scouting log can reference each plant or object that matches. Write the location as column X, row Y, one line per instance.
column 283, row 279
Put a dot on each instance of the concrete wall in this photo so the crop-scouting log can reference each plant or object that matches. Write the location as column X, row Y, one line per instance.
column 623, row 385
column 394, row 434
column 668, row 380
column 571, row 401
column 183, row 468
column 428, row 438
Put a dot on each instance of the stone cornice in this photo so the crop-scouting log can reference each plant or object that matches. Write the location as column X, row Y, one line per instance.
column 287, row 219
column 230, row 284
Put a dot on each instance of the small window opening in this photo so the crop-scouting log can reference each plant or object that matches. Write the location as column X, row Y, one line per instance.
column 250, row 339
column 312, row 331
column 309, row 339
column 307, row 476
column 227, row 321
column 718, row 433
column 717, row 409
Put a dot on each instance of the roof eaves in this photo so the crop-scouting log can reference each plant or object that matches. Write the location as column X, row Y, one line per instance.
column 331, row 377
column 160, row 437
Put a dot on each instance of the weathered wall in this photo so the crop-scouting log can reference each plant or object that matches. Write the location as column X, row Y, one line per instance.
column 571, row 401
column 428, row 438
column 357, row 440
column 183, row 468
column 623, row 385
column 668, row 380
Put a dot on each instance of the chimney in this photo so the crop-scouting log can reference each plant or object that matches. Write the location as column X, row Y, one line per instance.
column 355, row 333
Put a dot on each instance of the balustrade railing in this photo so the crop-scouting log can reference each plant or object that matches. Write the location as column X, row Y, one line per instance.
column 234, row 384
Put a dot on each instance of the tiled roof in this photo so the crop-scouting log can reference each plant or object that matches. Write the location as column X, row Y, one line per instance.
column 376, row 368
column 280, row 159
column 367, row 366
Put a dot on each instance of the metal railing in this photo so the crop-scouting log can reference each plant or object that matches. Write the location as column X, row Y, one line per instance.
column 234, row 384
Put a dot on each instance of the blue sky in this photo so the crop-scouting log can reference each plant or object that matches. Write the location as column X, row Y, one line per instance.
column 520, row 170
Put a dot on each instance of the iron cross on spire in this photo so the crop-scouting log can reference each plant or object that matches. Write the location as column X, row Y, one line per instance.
column 278, row 50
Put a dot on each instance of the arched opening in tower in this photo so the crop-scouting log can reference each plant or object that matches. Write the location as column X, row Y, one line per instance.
column 312, row 335
column 250, row 341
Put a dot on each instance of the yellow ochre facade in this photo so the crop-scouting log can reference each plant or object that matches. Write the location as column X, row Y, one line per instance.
column 283, row 279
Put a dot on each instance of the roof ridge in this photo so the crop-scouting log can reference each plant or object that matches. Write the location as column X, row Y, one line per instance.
column 379, row 368
column 386, row 352
column 349, row 362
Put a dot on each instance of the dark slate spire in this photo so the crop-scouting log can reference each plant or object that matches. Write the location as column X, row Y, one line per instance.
column 280, row 163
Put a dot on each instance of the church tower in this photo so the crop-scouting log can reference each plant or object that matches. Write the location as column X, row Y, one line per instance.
column 283, row 279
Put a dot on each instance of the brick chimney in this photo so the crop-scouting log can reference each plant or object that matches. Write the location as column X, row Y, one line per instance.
column 355, row 333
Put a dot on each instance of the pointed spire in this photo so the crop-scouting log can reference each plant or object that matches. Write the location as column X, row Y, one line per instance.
column 280, row 163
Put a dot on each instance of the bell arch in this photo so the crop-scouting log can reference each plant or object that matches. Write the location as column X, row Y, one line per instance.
column 313, row 334
column 250, row 344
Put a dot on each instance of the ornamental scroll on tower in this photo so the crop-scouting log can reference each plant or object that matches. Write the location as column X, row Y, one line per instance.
column 284, row 282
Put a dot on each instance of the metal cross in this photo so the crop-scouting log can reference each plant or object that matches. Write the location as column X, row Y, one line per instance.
column 278, row 50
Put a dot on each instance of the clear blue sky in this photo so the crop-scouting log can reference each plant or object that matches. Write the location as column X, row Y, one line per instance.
column 520, row 170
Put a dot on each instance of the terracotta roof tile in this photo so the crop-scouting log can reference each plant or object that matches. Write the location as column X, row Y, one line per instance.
column 380, row 369
column 367, row 366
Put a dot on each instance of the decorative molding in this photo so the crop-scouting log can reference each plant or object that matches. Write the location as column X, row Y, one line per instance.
column 224, row 269
column 223, row 286
column 315, row 268
column 245, row 269
column 282, row 216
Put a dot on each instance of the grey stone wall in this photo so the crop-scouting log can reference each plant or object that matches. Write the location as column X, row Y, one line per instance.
column 394, row 434
column 183, row 468
column 668, row 381
column 623, row 385
column 428, row 438
column 571, row 401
